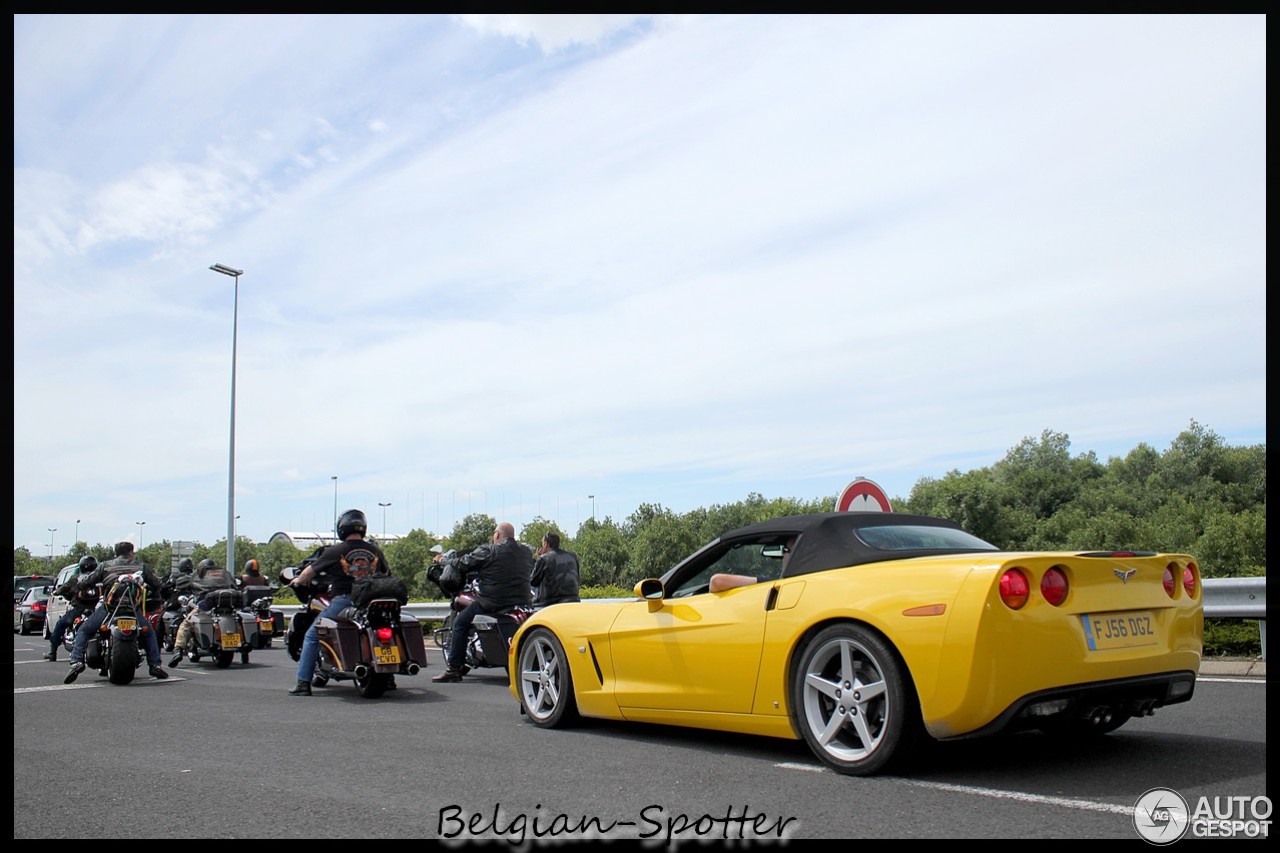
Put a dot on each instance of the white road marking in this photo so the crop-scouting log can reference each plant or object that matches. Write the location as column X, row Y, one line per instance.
column 996, row 793
column 47, row 688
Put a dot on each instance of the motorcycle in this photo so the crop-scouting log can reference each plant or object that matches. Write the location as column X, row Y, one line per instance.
column 489, row 637
column 367, row 643
column 114, row 652
column 257, row 610
column 220, row 629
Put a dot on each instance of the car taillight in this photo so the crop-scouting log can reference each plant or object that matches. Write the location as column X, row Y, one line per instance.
column 1189, row 579
column 1053, row 586
column 385, row 635
column 1014, row 589
column 1170, row 585
column 39, row 608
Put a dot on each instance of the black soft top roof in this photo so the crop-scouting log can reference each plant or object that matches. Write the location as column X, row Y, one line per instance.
column 829, row 540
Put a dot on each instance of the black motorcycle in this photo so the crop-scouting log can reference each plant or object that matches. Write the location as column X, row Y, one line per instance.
column 368, row 643
column 489, row 637
column 114, row 651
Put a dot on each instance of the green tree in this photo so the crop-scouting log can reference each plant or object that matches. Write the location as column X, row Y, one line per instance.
column 603, row 555
column 471, row 532
column 410, row 557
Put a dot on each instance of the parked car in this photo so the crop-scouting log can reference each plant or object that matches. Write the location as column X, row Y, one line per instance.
column 29, row 613
column 57, row 604
column 22, row 583
column 866, row 634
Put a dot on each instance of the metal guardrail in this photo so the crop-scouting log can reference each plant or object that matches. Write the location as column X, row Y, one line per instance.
column 1224, row 598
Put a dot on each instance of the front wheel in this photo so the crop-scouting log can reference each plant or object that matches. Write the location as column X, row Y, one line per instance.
column 122, row 662
column 546, row 684
column 244, row 658
column 853, row 701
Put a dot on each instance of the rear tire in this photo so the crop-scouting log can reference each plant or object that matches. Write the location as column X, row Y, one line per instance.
column 373, row 685
column 224, row 658
column 23, row 628
column 122, row 662
column 546, row 684
column 853, row 701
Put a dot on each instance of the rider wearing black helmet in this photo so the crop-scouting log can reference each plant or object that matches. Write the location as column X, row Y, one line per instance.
column 107, row 574
column 338, row 565
column 209, row 578
column 79, row 601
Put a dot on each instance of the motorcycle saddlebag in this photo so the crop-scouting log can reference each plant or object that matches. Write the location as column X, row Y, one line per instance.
column 230, row 599
column 366, row 589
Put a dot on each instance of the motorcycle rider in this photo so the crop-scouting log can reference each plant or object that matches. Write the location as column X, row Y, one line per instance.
column 503, row 567
column 555, row 573
column 210, row 577
column 79, row 600
column 333, row 566
column 252, row 575
column 107, row 574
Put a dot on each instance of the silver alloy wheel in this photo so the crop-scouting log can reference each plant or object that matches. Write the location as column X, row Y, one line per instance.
column 546, row 682
column 845, row 699
column 540, row 667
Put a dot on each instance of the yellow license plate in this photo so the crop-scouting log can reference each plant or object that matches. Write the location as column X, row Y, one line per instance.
column 1126, row 630
column 231, row 641
column 264, row 627
column 126, row 624
column 386, row 654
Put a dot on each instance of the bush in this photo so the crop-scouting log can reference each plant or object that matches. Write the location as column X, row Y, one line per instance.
column 1232, row 638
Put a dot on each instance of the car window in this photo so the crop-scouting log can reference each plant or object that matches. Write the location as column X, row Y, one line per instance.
column 759, row 559
column 913, row 537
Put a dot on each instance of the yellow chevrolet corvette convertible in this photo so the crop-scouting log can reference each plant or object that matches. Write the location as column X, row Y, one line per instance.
column 866, row 633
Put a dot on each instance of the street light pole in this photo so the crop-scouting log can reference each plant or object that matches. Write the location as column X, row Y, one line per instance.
column 231, row 454
column 384, row 517
column 140, row 523
column 77, row 530
column 52, row 530
column 593, row 507
column 335, row 502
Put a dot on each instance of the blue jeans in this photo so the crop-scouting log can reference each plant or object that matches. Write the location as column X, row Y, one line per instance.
column 60, row 627
column 89, row 627
column 458, row 640
column 311, row 640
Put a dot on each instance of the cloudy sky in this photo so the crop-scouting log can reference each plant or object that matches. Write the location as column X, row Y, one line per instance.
column 504, row 263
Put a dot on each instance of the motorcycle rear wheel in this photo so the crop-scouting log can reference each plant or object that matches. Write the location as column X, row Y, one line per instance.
column 373, row 685
column 224, row 658
column 122, row 662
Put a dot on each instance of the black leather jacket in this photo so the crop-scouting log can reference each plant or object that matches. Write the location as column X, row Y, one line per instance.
column 503, row 570
column 555, row 577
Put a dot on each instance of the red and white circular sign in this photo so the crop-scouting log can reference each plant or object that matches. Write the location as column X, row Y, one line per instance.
column 862, row 495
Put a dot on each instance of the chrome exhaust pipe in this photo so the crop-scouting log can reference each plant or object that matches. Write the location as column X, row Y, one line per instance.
column 362, row 671
column 413, row 669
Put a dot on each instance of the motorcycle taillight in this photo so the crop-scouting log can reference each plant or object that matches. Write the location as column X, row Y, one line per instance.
column 385, row 635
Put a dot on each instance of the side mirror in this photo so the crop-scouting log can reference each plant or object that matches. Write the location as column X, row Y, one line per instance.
column 650, row 589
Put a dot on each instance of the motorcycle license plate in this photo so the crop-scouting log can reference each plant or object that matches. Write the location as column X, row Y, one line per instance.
column 264, row 627
column 386, row 654
column 126, row 625
column 231, row 641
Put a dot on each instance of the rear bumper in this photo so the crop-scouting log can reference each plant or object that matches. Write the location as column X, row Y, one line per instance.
column 1136, row 696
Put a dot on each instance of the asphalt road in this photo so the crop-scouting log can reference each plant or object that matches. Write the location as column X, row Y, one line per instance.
column 215, row 753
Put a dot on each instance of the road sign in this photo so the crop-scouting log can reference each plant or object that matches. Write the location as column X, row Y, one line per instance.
column 862, row 495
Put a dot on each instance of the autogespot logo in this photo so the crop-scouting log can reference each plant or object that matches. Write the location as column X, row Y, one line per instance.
column 1161, row 816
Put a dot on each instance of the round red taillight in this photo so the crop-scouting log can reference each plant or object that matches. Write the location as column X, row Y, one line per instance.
column 1014, row 589
column 1169, row 583
column 1053, row 586
column 1189, row 579
column 384, row 635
